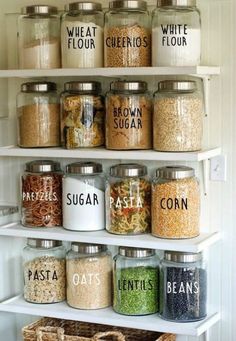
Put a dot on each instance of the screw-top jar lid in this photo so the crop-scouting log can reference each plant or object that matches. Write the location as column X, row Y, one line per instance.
column 39, row 10
column 83, row 6
column 83, row 86
column 43, row 243
column 88, row 248
column 176, row 3
column 182, row 257
column 180, row 172
column 135, row 252
column 177, row 85
column 41, row 166
column 130, row 5
column 38, row 87
column 128, row 86
column 128, row 170
column 84, row 168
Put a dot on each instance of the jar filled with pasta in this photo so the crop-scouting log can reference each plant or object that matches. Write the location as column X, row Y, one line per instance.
column 82, row 115
column 128, row 200
column 42, row 194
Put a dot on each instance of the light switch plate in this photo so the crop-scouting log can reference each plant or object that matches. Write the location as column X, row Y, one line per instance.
column 218, row 168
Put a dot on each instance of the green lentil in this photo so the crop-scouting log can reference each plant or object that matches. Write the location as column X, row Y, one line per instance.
column 136, row 291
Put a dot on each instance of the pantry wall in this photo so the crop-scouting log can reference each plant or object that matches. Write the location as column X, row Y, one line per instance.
column 219, row 48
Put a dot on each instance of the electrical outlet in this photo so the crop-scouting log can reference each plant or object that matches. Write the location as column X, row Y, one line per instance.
column 218, row 168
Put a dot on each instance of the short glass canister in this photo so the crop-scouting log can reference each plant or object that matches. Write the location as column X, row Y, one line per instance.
column 183, row 287
column 175, row 203
column 135, row 281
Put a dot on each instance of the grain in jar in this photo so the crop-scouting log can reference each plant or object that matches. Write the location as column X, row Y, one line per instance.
column 82, row 115
column 178, row 116
column 89, row 276
column 42, row 194
column 175, row 203
column 38, row 112
column 44, row 271
column 128, row 200
column 127, row 34
column 128, row 116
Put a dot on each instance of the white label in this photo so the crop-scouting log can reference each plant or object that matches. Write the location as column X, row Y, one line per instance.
column 83, row 206
column 176, row 45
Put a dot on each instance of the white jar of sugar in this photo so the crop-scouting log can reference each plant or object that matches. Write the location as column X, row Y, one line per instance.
column 83, row 197
column 176, row 33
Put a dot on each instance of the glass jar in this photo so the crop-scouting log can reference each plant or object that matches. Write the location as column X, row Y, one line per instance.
column 176, row 33
column 39, row 38
column 83, row 197
column 183, row 287
column 44, row 271
column 89, row 276
column 127, row 34
column 135, row 281
column 42, row 194
column 82, row 35
column 82, row 115
column 128, row 116
column 175, row 203
column 38, row 113
column 178, row 117
column 128, row 200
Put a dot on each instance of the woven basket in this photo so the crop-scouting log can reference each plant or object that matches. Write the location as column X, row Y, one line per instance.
column 48, row 329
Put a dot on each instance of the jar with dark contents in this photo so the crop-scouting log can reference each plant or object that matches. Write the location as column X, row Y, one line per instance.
column 183, row 287
column 82, row 115
column 42, row 194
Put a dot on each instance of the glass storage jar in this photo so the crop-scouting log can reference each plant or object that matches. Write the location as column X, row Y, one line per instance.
column 82, row 115
column 82, row 35
column 175, row 203
column 178, row 117
column 84, row 197
column 128, row 116
column 39, row 38
column 44, row 271
column 38, row 113
column 127, row 32
column 128, row 200
column 183, row 287
column 89, row 276
column 176, row 33
column 135, row 281
column 42, row 194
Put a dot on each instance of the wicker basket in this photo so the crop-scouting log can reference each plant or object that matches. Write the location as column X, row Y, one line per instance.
column 48, row 329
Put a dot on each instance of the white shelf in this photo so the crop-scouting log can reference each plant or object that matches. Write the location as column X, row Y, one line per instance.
column 102, row 237
column 102, row 153
column 200, row 71
column 108, row 316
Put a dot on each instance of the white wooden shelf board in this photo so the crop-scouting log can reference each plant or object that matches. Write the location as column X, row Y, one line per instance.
column 102, row 153
column 113, row 72
column 102, row 237
column 107, row 316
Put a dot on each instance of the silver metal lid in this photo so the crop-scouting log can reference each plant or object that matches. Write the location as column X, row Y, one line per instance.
column 128, row 170
column 176, row 3
column 83, row 6
column 88, row 248
column 6, row 210
column 39, row 10
column 128, row 4
column 135, row 252
column 43, row 243
column 178, row 172
column 84, row 168
column 38, row 87
column 41, row 166
column 128, row 86
column 175, row 85
column 182, row 257
column 83, row 86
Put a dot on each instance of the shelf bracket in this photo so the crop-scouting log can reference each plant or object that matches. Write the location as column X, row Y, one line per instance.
column 205, row 173
column 206, row 87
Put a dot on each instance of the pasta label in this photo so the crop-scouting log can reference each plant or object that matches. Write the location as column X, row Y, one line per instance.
column 41, row 275
column 126, row 202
